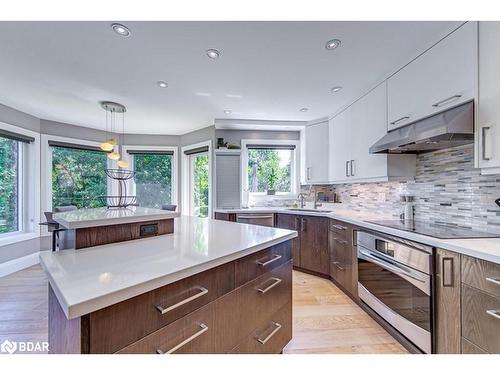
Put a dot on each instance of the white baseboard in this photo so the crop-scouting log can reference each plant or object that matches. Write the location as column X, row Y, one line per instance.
column 18, row 264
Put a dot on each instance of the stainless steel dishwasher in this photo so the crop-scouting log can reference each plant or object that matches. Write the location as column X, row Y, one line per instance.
column 265, row 219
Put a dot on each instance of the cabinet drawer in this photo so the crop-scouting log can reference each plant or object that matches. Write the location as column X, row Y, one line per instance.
column 240, row 312
column 119, row 325
column 255, row 265
column 192, row 334
column 481, row 274
column 340, row 228
column 481, row 319
column 470, row 348
column 271, row 336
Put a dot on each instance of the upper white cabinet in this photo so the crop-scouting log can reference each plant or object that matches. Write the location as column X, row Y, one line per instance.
column 353, row 131
column 316, row 153
column 443, row 77
column 488, row 108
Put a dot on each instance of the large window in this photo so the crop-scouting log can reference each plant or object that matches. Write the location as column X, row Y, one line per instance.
column 270, row 168
column 199, row 184
column 78, row 176
column 10, row 153
column 153, row 178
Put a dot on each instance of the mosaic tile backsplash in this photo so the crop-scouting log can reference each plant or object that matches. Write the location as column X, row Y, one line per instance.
column 447, row 188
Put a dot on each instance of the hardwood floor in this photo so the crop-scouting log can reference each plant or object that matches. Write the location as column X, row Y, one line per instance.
column 325, row 319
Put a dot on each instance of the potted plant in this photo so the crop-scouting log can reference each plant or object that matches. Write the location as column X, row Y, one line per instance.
column 271, row 182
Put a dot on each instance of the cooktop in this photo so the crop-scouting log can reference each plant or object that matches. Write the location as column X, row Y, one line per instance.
column 434, row 230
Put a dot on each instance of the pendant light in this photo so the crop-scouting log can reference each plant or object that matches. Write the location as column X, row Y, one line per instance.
column 110, row 143
column 122, row 163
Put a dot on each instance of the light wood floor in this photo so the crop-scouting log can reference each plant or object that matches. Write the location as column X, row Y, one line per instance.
column 325, row 319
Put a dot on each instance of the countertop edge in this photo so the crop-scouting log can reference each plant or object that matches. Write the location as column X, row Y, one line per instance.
column 86, row 307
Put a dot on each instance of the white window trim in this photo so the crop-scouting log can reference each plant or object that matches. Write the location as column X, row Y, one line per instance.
column 185, row 177
column 295, row 172
column 29, row 179
column 46, row 168
column 175, row 166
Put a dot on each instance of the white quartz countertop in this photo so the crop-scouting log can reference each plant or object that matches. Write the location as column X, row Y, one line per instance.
column 483, row 248
column 94, row 217
column 87, row 280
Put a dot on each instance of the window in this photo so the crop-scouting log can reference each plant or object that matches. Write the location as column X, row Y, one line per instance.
column 270, row 167
column 153, row 178
column 78, row 175
column 10, row 195
column 196, row 179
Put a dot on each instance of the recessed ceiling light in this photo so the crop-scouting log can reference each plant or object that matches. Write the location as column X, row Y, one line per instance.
column 332, row 44
column 304, row 109
column 228, row 111
column 336, row 89
column 162, row 84
column 120, row 29
column 213, row 53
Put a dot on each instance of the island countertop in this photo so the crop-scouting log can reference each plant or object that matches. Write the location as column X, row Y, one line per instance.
column 89, row 279
column 94, row 217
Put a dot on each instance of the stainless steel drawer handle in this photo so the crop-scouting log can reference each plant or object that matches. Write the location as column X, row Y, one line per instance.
column 446, row 101
column 337, row 264
column 339, row 227
column 400, row 119
column 494, row 280
column 204, row 328
column 494, row 313
column 277, row 327
column 275, row 283
column 164, row 310
column 343, row 242
column 274, row 259
column 255, row 217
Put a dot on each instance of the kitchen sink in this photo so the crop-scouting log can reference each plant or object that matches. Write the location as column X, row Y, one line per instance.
column 309, row 210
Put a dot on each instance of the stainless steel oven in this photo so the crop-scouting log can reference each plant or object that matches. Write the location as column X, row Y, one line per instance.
column 394, row 280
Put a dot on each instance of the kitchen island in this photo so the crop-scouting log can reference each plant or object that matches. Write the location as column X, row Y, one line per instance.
column 209, row 287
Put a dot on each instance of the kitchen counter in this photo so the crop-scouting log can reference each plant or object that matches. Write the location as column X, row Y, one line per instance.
column 486, row 248
column 94, row 217
column 90, row 279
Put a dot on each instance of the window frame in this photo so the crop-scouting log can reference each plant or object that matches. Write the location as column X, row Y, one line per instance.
column 28, row 180
column 295, row 168
column 175, row 167
column 46, row 166
column 186, row 177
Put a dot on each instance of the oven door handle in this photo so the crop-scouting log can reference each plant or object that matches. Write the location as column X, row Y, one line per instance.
column 423, row 285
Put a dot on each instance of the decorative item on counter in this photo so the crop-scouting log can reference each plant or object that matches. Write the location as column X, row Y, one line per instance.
column 122, row 200
column 271, row 182
column 233, row 146
column 220, row 143
column 407, row 213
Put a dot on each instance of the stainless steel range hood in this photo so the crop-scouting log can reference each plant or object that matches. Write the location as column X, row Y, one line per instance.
column 450, row 128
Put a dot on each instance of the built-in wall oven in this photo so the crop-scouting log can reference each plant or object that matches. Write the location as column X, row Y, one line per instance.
column 394, row 280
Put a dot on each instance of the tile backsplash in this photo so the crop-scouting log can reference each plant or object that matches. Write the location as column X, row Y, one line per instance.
column 447, row 188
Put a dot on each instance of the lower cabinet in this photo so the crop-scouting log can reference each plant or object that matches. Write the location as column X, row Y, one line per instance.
column 291, row 222
column 343, row 257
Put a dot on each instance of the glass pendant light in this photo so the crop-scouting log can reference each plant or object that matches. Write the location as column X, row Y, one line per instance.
column 111, row 142
column 122, row 163
column 114, row 155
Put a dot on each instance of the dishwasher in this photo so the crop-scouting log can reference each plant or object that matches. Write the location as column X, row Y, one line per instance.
column 265, row 219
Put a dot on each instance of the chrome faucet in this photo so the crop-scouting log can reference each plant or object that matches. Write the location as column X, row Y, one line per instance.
column 302, row 200
column 316, row 204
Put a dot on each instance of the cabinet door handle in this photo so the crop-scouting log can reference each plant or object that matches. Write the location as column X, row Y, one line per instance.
column 399, row 120
column 338, row 265
column 204, row 328
column 485, row 155
column 276, row 282
column 296, row 223
column 303, row 225
column 164, row 310
column 347, row 168
column 494, row 280
column 494, row 313
column 352, row 167
column 339, row 227
column 447, row 272
column 308, row 173
column 277, row 327
column 274, row 259
column 343, row 242
column 446, row 101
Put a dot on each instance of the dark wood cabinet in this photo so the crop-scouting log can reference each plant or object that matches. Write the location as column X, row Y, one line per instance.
column 343, row 258
column 447, row 297
column 314, row 254
column 225, row 216
column 291, row 222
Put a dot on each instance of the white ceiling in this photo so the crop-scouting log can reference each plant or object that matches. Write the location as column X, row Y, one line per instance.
column 267, row 70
